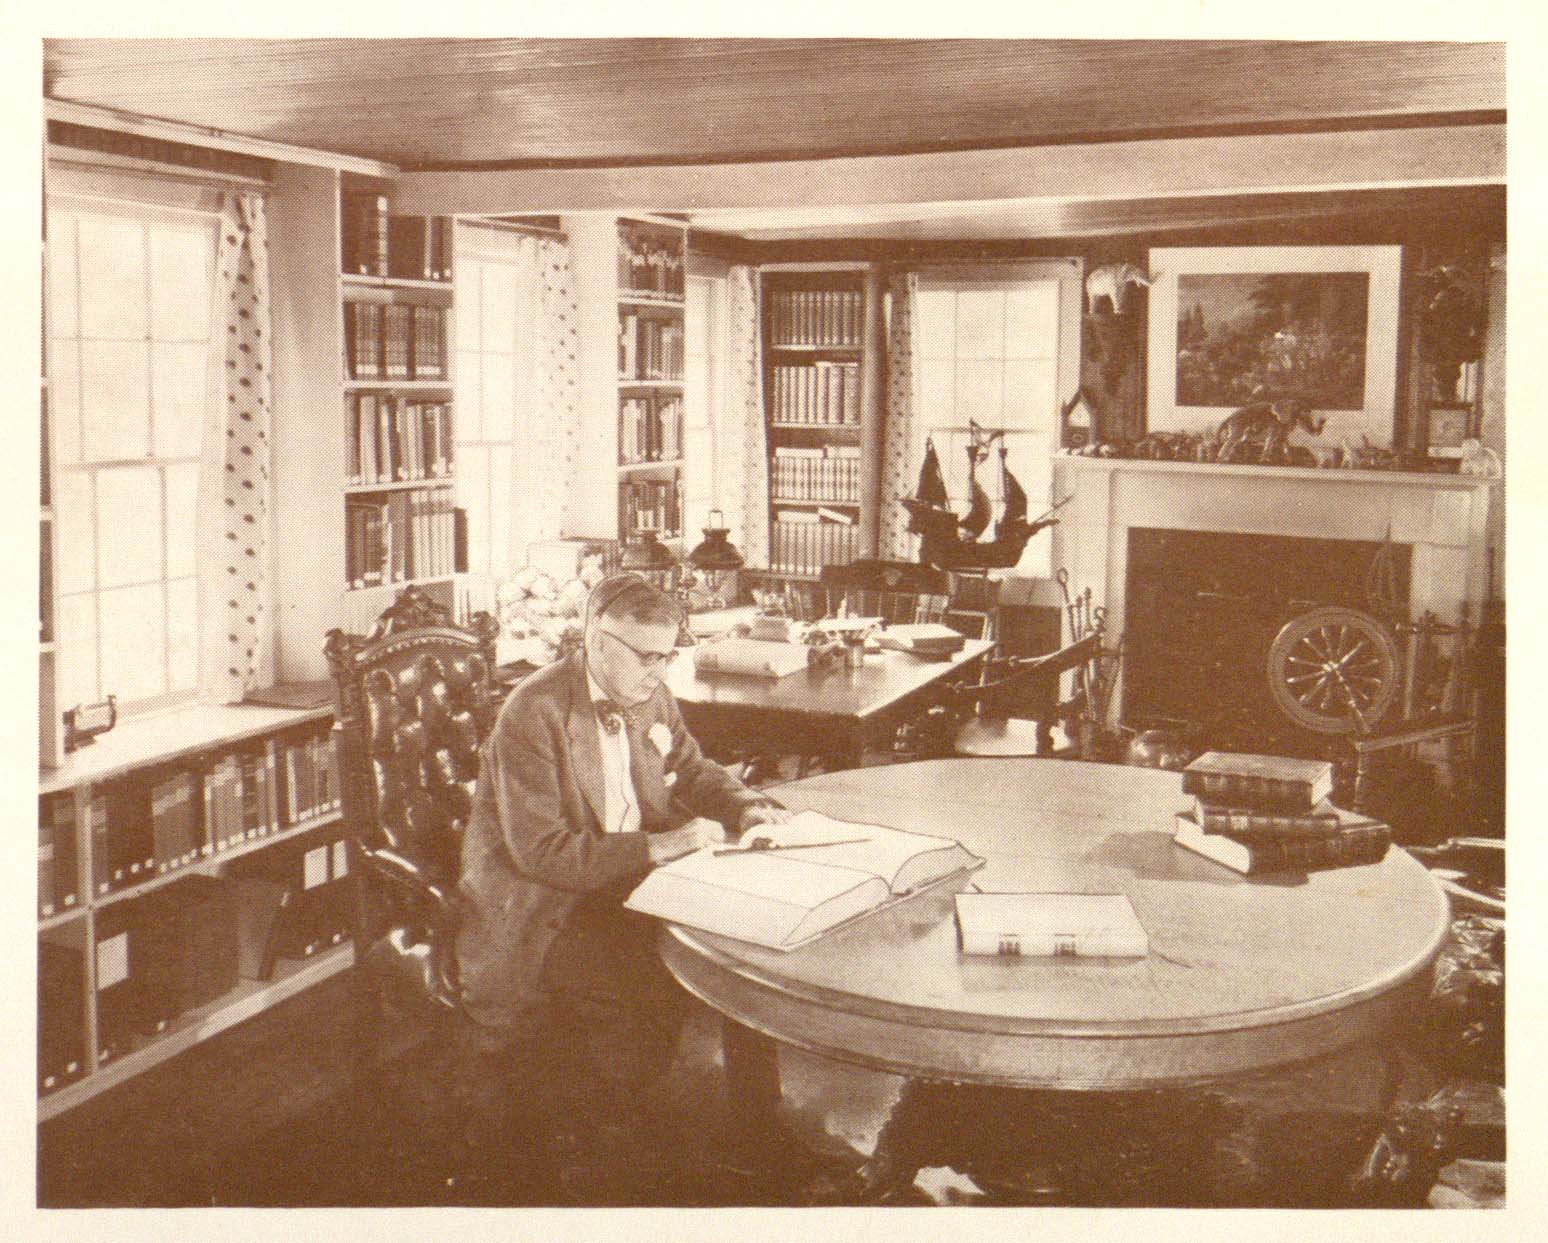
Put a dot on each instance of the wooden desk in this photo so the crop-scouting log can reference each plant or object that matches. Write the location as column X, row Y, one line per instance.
column 833, row 711
column 1243, row 974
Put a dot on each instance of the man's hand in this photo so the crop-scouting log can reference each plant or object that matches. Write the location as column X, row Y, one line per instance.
column 675, row 843
column 762, row 813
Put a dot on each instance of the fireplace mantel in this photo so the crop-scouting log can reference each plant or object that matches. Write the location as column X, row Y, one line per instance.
column 1444, row 519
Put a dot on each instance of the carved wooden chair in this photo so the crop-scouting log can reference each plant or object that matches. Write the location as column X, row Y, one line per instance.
column 895, row 591
column 414, row 705
column 1012, row 712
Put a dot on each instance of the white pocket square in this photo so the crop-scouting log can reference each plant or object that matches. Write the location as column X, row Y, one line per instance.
column 661, row 737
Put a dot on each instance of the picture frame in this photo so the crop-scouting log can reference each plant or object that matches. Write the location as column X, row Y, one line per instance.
column 1232, row 326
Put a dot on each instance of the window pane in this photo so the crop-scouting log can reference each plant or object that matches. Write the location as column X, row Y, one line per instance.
column 501, row 486
column 62, row 321
column 1032, row 321
column 980, row 323
column 979, row 392
column 115, row 395
column 182, row 518
column 128, row 525
column 935, row 323
column 134, row 642
column 468, row 410
column 183, row 633
column 181, row 262
column 1031, row 398
column 64, row 399
column 499, row 308
column 499, row 396
column 112, row 266
column 178, row 386
column 75, row 621
column 938, row 389
column 467, row 304
column 76, row 541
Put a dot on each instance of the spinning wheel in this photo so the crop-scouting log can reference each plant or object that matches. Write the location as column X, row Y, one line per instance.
column 1334, row 670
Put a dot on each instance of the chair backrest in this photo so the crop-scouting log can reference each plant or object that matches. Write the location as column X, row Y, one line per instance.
column 895, row 591
column 414, row 705
column 1029, row 686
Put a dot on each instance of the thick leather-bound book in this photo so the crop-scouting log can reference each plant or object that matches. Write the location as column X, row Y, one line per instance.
column 1320, row 821
column 61, row 1014
column 793, row 887
column 1365, row 841
column 1050, row 925
column 922, row 639
column 1276, row 783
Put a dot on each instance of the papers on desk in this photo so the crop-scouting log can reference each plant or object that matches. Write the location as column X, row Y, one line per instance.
column 783, row 897
column 1050, row 925
column 752, row 657
column 922, row 639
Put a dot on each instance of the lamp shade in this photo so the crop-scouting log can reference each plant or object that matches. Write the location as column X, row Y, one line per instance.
column 715, row 551
column 644, row 553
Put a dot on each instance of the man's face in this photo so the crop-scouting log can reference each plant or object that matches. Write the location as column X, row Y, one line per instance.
column 627, row 658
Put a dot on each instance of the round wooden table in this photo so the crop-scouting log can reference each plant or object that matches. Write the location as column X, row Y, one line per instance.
column 1243, row 973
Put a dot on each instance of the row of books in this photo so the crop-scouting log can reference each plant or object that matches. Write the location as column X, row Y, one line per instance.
column 394, row 341
column 388, row 439
column 650, row 260
column 414, row 533
column 805, row 546
column 377, row 242
column 187, row 945
column 649, row 347
column 650, row 505
column 152, row 823
column 1266, row 813
column 650, row 429
column 831, row 473
column 830, row 317
column 822, row 394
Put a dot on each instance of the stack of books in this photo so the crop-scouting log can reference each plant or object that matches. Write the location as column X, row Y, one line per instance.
column 1270, row 813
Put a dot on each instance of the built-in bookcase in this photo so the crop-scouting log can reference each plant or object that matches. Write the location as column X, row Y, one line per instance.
column 816, row 337
column 630, row 281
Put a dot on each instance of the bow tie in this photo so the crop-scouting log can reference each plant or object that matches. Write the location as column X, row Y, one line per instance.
column 612, row 715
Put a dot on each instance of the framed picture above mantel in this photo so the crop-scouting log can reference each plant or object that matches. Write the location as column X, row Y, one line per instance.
column 1232, row 326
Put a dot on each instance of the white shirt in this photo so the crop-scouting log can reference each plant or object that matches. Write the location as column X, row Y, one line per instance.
column 619, row 801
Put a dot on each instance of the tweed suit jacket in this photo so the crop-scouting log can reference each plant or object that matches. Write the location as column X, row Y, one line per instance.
column 535, row 844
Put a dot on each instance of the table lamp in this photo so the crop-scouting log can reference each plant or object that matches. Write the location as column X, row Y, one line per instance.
column 715, row 557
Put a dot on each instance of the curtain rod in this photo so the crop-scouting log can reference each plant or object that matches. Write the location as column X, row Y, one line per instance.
column 103, row 161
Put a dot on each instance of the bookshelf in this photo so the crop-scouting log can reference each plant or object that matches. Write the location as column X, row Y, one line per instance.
column 365, row 472
column 820, row 351
column 128, row 977
column 630, row 281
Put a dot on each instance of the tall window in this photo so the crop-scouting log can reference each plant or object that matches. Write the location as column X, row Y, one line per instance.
column 130, row 307
column 490, row 269
column 1000, row 348
column 704, row 402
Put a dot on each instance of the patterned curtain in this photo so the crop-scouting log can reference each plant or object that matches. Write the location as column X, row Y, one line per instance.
column 236, row 644
column 746, row 442
column 549, row 430
column 898, row 432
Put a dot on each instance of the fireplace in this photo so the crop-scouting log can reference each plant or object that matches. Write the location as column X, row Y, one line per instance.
column 1243, row 547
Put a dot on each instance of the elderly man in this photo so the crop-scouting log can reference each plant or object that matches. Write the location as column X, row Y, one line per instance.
column 588, row 780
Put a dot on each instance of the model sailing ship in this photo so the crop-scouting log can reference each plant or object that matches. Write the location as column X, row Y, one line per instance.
column 952, row 542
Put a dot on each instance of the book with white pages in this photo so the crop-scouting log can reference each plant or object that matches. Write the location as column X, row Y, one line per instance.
column 784, row 885
column 759, row 658
column 1050, row 925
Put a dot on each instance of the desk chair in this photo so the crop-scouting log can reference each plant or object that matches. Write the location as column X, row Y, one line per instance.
column 1013, row 710
column 414, row 704
column 896, row 591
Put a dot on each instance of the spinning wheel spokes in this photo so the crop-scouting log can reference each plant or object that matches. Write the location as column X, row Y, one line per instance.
column 1333, row 670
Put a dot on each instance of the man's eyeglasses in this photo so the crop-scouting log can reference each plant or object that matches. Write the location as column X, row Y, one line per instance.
column 649, row 660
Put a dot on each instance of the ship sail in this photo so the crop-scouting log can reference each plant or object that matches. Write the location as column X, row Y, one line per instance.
column 1015, row 514
column 979, row 512
column 932, row 484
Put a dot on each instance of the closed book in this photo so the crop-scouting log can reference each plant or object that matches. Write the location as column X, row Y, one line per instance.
column 750, row 657
column 922, row 639
column 428, row 353
column 1362, row 843
column 101, row 844
column 819, row 874
column 61, row 1014
column 1275, row 783
column 131, row 838
column 408, row 247
column 1320, row 821
column 397, row 329
column 45, row 858
column 1050, row 925
column 364, row 232
column 175, row 819
column 117, row 996
column 67, row 854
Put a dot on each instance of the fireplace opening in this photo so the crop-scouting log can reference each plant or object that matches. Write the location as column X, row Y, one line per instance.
column 1202, row 610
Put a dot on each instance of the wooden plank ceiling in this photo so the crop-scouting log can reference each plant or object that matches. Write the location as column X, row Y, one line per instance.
column 461, row 103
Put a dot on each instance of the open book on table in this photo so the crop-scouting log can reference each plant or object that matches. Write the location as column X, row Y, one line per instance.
column 796, row 890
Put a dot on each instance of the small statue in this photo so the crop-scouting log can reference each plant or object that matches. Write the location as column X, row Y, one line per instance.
column 1112, row 281
column 1261, row 432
